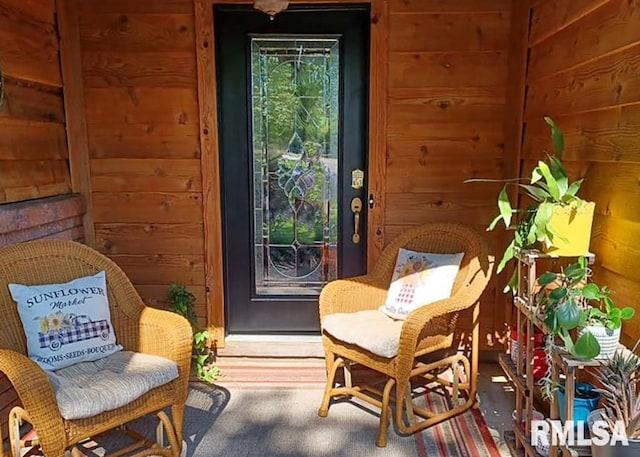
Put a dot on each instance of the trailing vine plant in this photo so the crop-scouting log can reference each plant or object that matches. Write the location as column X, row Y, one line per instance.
column 182, row 303
column 547, row 386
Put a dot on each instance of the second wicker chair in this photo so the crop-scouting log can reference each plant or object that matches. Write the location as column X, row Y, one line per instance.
column 428, row 329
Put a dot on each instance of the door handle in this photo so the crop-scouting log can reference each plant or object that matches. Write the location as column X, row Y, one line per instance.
column 356, row 207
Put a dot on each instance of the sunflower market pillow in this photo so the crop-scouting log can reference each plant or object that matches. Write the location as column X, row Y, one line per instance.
column 66, row 323
column 420, row 278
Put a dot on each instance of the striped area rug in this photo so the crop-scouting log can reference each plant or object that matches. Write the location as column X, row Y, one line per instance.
column 466, row 435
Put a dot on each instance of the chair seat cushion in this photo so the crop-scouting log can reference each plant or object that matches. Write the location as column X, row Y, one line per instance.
column 371, row 330
column 90, row 388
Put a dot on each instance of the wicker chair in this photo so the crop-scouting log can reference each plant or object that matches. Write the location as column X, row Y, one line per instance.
column 428, row 329
column 138, row 328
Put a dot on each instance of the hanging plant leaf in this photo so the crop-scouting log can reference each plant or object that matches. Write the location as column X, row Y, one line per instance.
column 556, row 135
column 627, row 312
column 587, row 346
column 508, row 255
column 504, row 205
column 558, row 294
column 568, row 315
column 552, row 184
column 547, row 278
column 591, row 291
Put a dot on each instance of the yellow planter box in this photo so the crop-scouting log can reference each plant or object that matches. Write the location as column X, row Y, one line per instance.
column 574, row 225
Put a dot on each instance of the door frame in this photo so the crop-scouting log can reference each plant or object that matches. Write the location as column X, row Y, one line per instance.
column 210, row 153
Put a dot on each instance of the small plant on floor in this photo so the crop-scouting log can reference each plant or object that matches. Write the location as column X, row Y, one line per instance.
column 182, row 303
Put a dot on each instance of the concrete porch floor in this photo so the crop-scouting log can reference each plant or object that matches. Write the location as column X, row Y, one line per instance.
column 497, row 398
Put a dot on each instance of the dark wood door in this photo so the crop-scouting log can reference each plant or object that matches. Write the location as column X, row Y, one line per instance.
column 292, row 115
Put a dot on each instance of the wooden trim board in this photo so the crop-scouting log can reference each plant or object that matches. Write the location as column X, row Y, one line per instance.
column 377, row 159
column 210, row 166
column 78, row 143
column 513, row 128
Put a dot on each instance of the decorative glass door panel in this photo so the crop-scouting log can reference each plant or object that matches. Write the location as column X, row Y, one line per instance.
column 292, row 97
column 295, row 114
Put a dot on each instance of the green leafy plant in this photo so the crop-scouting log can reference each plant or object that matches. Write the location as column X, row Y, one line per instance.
column 548, row 185
column 566, row 299
column 182, row 303
column 203, row 370
column 619, row 378
column 608, row 315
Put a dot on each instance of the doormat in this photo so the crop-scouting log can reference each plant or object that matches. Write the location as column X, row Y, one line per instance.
column 272, row 373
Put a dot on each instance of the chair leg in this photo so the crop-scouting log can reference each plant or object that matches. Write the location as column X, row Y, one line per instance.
column 331, row 376
column 160, row 434
column 408, row 402
column 177, row 413
column 15, row 444
column 347, row 374
column 385, row 414
column 171, row 434
column 455, row 377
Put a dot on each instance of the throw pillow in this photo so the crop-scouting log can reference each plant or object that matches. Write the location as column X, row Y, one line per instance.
column 66, row 323
column 420, row 278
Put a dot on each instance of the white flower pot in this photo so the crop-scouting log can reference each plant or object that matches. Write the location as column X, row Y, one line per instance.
column 607, row 338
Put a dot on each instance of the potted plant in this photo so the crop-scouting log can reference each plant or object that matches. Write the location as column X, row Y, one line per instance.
column 568, row 301
column 605, row 322
column 619, row 378
column 557, row 220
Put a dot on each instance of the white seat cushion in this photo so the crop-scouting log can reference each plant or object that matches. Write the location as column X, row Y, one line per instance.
column 90, row 388
column 372, row 330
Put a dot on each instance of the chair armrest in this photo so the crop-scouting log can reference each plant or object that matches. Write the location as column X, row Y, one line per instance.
column 35, row 393
column 421, row 317
column 353, row 294
column 168, row 335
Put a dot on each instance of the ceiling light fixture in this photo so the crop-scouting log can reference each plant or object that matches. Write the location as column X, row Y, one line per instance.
column 271, row 7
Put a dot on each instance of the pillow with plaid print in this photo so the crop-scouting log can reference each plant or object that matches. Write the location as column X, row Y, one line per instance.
column 66, row 323
column 420, row 278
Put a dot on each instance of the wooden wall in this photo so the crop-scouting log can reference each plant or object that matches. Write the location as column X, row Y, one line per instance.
column 447, row 69
column 140, row 94
column 583, row 71
column 446, row 108
column 33, row 146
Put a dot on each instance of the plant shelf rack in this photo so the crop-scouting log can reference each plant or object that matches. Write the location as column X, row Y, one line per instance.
column 528, row 319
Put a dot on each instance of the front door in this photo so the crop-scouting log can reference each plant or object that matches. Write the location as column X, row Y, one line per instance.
column 292, row 116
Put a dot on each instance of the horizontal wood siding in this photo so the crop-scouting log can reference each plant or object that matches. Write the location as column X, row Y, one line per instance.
column 34, row 159
column 448, row 73
column 140, row 89
column 583, row 71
